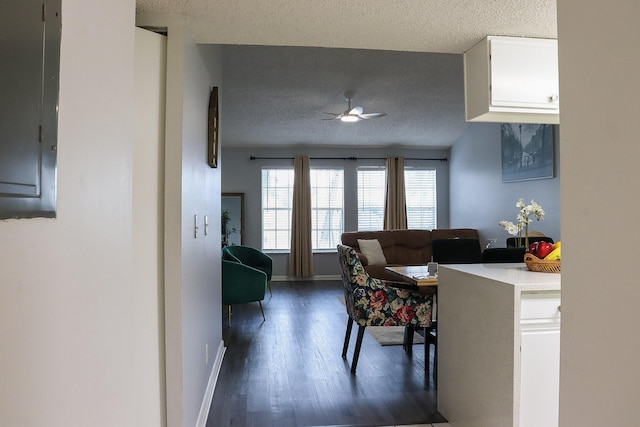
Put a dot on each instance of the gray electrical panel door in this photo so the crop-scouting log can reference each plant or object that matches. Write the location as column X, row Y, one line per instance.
column 29, row 75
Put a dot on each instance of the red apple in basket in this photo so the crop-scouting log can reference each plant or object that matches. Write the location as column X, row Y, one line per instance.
column 533, row 249
column 544, row 249
column 539, row 249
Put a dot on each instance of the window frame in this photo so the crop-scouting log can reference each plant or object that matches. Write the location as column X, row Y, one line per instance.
column 263, row 208
column 365, row 169
column 314, row 211
column 433, row 198
column 289, row 209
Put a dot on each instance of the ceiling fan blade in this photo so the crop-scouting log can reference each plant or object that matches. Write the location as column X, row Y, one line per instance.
column 372, row 115
column 332, row 114
column 357, row 110
column 332, row 118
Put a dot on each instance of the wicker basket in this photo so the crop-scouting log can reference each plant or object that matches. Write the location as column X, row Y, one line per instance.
column 540, row 265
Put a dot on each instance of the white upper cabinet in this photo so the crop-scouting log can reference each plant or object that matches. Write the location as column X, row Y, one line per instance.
column 512, row 79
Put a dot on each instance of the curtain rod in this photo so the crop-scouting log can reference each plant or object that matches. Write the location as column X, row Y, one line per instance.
column 444, row 159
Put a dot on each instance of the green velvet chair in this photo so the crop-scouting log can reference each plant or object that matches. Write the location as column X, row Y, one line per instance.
column 242, row 284
column 251, row 257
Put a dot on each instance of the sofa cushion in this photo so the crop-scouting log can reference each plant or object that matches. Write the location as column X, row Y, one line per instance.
column 410, row 247
column 373, row 251
column 350, row 238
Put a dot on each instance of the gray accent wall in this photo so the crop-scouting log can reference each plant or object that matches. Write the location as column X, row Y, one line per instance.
column 478, row 197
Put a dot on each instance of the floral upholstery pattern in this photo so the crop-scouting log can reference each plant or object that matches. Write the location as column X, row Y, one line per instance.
column 374, row 302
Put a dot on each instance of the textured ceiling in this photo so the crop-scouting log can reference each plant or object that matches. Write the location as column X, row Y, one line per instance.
column 276, row 95
column 280, row 74
column 446, row 26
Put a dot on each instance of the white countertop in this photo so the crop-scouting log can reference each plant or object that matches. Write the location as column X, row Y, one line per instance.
column 515, row 274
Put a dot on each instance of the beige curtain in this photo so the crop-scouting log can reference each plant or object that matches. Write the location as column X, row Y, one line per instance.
column 301, row 259
column 395, row 209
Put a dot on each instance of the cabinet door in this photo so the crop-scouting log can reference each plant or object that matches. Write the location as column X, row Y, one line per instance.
column 30, row 49
column 524, row 73
column 540, row 376
column 540, row 360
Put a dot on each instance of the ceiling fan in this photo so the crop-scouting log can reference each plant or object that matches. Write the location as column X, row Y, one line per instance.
column 354, row 114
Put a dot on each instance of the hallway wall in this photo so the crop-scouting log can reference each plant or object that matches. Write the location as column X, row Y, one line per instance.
column 67, row 306
column 600, row 152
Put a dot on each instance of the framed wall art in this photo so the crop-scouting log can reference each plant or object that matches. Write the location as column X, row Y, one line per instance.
column 213, row 128
column 527, row 151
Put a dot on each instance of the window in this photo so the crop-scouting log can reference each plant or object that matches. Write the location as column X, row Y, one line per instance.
column 420, row 189
column 277, row 199
column 327, row 200
column 371, row 195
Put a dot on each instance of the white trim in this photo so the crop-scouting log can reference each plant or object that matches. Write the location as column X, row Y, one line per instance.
column 211, row 386
column 293, row 279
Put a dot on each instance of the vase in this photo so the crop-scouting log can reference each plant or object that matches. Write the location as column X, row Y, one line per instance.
column 523, row 241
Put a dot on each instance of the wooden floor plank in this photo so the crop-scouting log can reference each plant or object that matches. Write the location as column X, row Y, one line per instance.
column 288, row 370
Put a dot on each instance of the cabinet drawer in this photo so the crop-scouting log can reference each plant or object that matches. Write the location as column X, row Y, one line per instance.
column 540, row 305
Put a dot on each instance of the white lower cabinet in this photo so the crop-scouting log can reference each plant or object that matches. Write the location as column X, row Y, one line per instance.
column 498, row 346
column 539, row 359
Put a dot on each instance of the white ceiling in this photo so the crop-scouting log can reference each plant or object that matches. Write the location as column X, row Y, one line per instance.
column 274, row 86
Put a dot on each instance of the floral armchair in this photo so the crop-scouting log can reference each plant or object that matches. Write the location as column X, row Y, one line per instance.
column 374, row 302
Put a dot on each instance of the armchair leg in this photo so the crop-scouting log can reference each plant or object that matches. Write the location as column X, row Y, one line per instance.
column 269, row 286
column 427, row 350
column 356, row 352
column 435, row 354
column 428, row 340
column 346, row 338
column 229, row 315
column 263, row 318
column 407, row 344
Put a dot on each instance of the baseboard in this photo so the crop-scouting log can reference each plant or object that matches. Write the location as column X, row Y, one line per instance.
column 310, row 279
column 211, row 386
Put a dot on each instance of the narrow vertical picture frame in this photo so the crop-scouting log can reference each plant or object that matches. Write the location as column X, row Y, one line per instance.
column 213, row 128
column 527, row 151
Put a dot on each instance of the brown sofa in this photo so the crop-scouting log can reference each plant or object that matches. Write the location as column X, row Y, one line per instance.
column 403, row 247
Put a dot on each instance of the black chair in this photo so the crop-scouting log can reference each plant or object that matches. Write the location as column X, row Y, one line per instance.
column 456, row 251
column 514, row 242
column 494, row 255
column 445, row 251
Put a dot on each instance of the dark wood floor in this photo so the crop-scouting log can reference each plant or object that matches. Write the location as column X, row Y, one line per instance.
column 288, row 371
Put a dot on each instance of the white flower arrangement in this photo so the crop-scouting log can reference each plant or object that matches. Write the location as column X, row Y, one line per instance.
column 523, row 219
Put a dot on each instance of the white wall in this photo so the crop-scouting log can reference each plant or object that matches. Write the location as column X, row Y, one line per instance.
column 479, row 198
column 193, row 296
column 201, row 257
column 148, row 227
column 67, row 306
column 599, row 62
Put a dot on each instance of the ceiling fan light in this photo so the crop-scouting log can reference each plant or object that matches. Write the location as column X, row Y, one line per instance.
column 350, row 118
